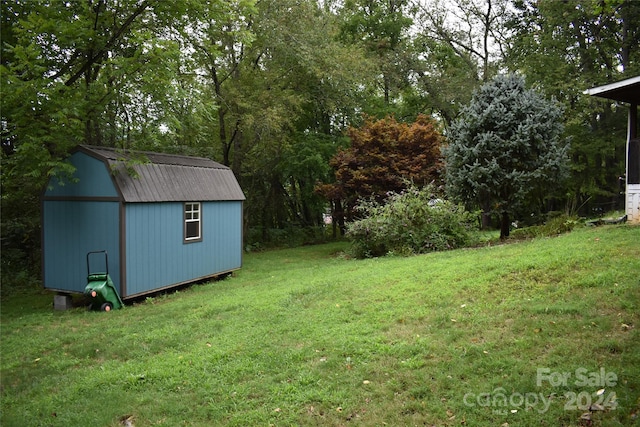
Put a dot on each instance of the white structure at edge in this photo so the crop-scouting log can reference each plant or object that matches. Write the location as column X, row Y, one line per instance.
column 633, row 203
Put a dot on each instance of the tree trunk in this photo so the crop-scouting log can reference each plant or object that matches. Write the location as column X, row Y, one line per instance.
column 338, row 217
column 504, row 225
column 486, row 213
column 485, row 219
column 236, row 163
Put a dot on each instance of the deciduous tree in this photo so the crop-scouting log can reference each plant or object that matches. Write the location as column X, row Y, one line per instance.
column 564, row 48
column 94, row 72
column 382, row 28
column 384, row 156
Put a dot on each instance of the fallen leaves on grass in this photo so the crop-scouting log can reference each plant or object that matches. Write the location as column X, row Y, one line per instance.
column 585, row 419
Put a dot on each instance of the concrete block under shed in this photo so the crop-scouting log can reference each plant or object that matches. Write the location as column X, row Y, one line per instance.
column 62, row 302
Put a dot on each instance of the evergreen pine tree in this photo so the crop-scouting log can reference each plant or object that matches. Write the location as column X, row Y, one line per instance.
column 504, row 146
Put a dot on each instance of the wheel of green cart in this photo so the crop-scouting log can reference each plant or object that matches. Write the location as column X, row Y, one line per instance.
column 107, row 306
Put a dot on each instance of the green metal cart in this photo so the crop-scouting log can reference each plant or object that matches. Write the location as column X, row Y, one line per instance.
column 100, row 289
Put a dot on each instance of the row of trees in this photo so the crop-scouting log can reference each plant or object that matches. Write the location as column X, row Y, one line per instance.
column 270, row 87
column 505, row 156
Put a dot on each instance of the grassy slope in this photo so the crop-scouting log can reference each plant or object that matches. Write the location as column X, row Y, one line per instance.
column 306, row 337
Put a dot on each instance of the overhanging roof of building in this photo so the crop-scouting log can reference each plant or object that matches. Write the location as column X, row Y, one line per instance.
column 624, row 91
column 155, row 177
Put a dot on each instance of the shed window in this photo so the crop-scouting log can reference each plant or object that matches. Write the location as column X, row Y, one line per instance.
column 192, row 222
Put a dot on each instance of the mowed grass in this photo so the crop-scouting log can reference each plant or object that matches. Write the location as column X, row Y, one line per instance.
column 309, row 337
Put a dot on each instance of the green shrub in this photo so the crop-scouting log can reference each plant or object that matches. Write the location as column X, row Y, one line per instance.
column 553, row 227
column 411, row 222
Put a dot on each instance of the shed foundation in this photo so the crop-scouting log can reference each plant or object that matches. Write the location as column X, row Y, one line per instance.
column 62, row 302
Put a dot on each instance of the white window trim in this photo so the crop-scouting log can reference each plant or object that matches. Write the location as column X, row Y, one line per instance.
column 196, row 208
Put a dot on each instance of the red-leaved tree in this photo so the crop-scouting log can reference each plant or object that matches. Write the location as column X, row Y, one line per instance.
column 383, row 157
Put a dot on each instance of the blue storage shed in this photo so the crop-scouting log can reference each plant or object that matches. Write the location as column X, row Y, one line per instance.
column 164, row 220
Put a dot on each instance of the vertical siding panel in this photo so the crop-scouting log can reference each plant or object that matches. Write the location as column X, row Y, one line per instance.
column 225, row 234
column 132, row 233
column 155, row 246
column 93, row 180
column 71, row 229
column 130, row 225
column 171, row 244
column 157, row 256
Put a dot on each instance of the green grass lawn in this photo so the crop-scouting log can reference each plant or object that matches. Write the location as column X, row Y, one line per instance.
column 522, row 334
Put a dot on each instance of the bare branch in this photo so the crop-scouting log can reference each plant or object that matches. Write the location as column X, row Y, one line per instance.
column 94, row 58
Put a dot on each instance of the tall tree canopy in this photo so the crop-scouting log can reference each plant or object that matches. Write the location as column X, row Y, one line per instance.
column 93, row 72
column 461, row 44
column 564, row 48
column 269, row 87
column 505, row 146
column 381, row 28
column 474, row 31
column 242, row 82
column 285, row 99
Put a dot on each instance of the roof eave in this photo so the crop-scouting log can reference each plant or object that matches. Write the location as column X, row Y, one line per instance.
column 627, row 90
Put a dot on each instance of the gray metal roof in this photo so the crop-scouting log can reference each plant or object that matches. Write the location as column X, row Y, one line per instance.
column 624, row 91
column 155, row 177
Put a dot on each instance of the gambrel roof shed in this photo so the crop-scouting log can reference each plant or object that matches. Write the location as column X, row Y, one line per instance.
column 163, row 219
column 155, row 177
column 627, row 91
